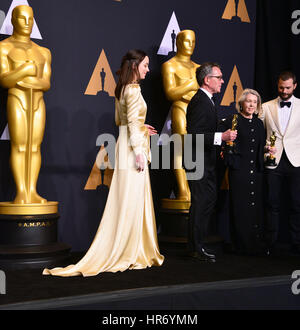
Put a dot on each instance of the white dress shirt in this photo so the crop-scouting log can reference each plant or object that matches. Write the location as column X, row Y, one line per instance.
column 284, row 113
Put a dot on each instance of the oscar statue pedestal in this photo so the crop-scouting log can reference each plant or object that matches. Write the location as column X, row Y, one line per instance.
column 174, row 217
column 173, row 220
column 28, row 236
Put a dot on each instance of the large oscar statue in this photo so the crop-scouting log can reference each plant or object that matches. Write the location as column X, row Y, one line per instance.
column 180, row 85
column 29, row 220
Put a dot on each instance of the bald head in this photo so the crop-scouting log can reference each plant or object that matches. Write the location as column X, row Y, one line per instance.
column 22, row 20
column 185, row 42
column 20, row 9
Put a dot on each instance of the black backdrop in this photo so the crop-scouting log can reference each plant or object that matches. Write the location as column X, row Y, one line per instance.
column 277, row 44
column 76, row 32
column 277, row 49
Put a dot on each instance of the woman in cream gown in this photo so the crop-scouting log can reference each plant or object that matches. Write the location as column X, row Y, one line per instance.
column 126, row 237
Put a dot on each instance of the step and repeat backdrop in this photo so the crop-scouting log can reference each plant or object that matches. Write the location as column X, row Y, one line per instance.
column 277, row 49
column 277, row 44
column 87, row 40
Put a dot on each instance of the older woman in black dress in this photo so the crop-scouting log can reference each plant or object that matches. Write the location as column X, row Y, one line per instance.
column 245, row 175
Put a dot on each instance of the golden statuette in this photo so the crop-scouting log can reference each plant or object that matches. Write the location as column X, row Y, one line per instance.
column 231, row 144
column 25, row 70
column 271, row 160
column 180, row 85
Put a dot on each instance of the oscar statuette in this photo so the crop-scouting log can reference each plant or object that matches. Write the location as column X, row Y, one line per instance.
column 271, row 160
column 230, row 144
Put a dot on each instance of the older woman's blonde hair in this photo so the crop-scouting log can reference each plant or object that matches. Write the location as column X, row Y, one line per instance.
column 242, row 98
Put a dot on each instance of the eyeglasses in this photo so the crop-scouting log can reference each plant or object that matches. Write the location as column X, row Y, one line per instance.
column 218, row 77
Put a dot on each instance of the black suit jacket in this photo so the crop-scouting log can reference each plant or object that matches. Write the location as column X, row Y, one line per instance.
column 202, row 118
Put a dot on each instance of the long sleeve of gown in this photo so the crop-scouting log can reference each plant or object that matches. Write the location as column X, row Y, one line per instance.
column 137, row 129
column 117, row 115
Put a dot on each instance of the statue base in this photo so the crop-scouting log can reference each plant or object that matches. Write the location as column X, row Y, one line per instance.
column 29, row 240
column 28, row 209
column 230, row 148
column 173, row 225
column 271, row 162
column 175, row 204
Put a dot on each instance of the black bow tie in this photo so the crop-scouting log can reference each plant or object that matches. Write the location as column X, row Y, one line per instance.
column 282, row 104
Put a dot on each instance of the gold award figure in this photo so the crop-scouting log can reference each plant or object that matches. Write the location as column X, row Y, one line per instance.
column 230, row 144
column 271, row 160
column 25, row 71
column 180, row 85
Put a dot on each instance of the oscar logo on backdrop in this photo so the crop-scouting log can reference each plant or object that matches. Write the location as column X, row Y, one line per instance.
column 233, row 90
column 28, row 224
column 236, row 11
column 100, row 93
column 101, row 173
column 168, row 43
column 102, row 81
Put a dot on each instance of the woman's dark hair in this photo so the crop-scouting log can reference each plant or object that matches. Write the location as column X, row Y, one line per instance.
column 129, row 67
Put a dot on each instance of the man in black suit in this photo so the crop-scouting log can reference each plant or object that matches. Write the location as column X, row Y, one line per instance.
column 202, row 119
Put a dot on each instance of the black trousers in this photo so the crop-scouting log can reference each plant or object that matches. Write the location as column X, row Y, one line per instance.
column 284, row 172
column 203, row 202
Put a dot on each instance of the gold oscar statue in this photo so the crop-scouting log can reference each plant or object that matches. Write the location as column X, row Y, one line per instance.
column 25, row 70
column 180, row 85
column 230, row 144
column 271, row 160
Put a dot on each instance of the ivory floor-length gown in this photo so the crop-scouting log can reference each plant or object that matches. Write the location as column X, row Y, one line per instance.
column 126, row 237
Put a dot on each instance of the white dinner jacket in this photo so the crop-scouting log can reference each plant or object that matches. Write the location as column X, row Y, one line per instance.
column 288, row 140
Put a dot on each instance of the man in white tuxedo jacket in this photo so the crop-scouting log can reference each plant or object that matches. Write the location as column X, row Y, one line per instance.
column 282, row 116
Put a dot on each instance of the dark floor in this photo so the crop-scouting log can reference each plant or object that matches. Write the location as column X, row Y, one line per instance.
column 30, row 285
